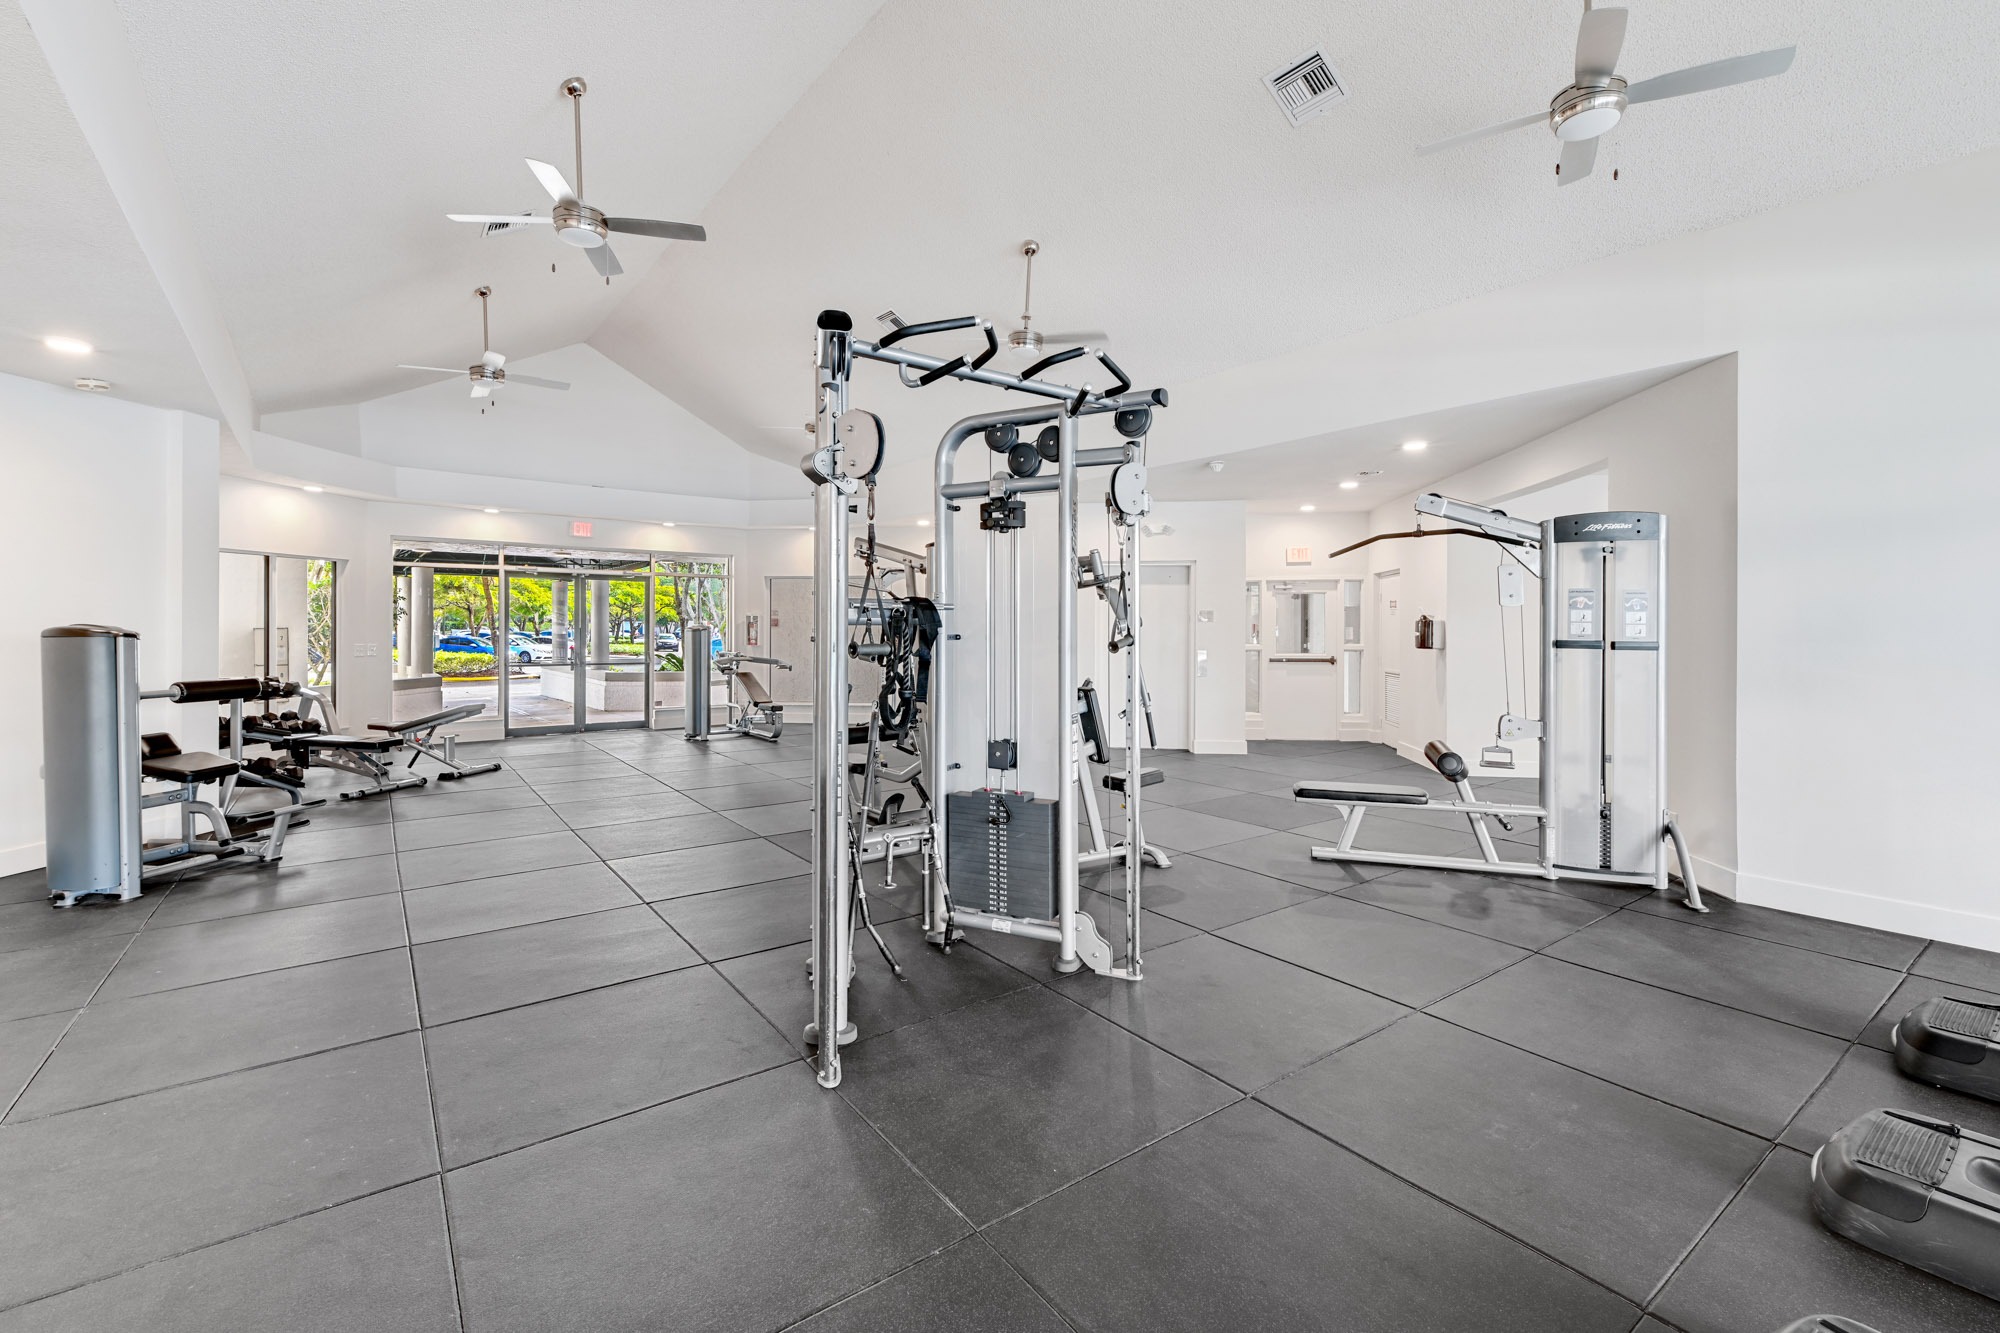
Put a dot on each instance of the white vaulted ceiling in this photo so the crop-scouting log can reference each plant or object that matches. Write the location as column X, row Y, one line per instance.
column 868, row 155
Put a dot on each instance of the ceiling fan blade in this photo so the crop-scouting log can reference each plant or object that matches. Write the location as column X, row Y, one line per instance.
column 1091, row 338
column 1598, row 42
column 552, row 181
column 1578, row 157
column 537, row 381
column 493, row 360
column 604, row 261
column 1518, row 123
column 482, row 389
column 668, row 231
column 1715, row 74
column 438, row 369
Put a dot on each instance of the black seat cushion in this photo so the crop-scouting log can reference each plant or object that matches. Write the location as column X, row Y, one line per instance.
column 368, row 744
column 196, row 767
column 1370, row 793
column 1148, row 777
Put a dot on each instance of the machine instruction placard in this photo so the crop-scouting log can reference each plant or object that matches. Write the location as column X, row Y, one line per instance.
column 1582, row 604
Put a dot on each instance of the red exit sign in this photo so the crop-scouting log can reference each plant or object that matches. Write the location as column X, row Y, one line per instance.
column 579, row 527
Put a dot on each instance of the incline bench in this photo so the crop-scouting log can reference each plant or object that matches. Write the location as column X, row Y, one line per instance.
column 370, row 756
column 1354, row 798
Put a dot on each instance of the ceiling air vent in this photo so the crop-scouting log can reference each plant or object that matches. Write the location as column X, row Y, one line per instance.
column 1306, row 87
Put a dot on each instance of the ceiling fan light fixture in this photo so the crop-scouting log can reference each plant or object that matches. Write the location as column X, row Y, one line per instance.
column 1584, row 113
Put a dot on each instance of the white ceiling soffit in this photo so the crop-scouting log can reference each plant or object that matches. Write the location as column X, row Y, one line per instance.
column 1179, row 212
column 1278, row 478
column 68, row 262
column 608, row 429
column 321, row 146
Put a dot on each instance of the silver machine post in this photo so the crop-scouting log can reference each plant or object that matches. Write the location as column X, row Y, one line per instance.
column 1066, row 886
column 832, row 900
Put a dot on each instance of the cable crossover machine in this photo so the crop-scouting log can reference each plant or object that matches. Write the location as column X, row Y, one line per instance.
column 1603, row 724
column 994, row 857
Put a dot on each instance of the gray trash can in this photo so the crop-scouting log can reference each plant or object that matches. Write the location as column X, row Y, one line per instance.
column 90, row 761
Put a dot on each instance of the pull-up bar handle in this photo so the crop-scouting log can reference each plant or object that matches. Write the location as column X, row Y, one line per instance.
column 895, row 336
column 1055, row 359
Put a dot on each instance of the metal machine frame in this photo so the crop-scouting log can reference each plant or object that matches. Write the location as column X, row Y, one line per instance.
column 1589, row 690
column 835, row 432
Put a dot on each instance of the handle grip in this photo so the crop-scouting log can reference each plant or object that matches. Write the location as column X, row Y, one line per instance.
column 895, row 336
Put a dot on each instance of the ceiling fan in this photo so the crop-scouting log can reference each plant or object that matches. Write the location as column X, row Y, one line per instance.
column 1028, row 340
column 1589, row 107
column 575, row 221
column 489, row 374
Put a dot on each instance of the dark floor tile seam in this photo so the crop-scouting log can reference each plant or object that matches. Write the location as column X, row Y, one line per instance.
column 205, row 1078
column 50, row 1054
column 223, row 1240
column 623, row 1115
column 1493, row 1227
column 1601, row 1078
column 1702, row 1235
column 976, row 1238
column 1175, row 1055
column 437, row 1128
column 1703, row 922
column 637, row 901
column 548, row 999
column 1709, row 999
column 260, row 972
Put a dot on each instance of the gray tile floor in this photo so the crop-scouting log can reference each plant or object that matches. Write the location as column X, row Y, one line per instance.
column 523, row 1053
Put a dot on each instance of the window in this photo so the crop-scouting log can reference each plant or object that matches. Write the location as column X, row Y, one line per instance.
column 1253, row 656
column 277, row 617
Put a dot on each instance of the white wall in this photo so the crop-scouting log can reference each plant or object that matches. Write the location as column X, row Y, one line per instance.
column 1671, row 449
column 107, row 517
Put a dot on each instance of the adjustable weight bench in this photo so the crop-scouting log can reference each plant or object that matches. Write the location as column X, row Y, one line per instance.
column 420, row 734
column 1354, row 798
column 366, row 756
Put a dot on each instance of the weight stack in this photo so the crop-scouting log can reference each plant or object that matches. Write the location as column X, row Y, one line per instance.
column 1003, row 853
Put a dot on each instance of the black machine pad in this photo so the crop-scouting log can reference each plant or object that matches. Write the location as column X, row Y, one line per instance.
column 1365, row 793
column 1953, row 1044
column 1148, row 777
column 1921, row 1191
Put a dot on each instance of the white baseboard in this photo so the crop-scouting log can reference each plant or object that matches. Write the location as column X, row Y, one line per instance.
column 1978, row 930
column 28, row 856
column 1717, row 879
column 1218, row 747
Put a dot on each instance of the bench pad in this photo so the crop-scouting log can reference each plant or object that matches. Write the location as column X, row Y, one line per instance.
column 1148, row 777
column 1363, row 793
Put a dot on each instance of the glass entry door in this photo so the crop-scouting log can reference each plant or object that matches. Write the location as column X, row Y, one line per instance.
column 580, row 639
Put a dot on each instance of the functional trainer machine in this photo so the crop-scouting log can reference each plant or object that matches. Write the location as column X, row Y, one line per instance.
column 756, row 717
column 96, row 766
column 1603, row 724
column 995, row 821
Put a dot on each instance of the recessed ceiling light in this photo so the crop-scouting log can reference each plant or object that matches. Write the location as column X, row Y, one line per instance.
column 71, row 346
column 1305, row 509
column 1215, row 465
column 1415, row 446
column 1349, row 485
column 923, row 522
column 89, row 385
column 314, row 489
column 492, row 511
column 665, row 523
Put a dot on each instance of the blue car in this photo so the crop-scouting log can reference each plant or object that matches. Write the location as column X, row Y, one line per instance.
column 464, row 643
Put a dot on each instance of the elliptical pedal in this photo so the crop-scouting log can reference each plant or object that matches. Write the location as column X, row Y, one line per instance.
column 1953, row 1044
column 1918, row 1190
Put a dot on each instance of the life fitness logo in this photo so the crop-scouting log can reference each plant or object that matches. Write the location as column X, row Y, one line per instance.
column 1604, row 527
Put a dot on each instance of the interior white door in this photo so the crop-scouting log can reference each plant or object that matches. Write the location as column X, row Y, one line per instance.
column 1166, row 649
column 1389, row 622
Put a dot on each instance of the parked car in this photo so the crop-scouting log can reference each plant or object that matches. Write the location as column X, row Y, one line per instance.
column 525, row 649
column 464, row 643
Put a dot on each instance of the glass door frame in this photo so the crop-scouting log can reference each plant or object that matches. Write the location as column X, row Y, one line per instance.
column 336, row 568
column 581, row 597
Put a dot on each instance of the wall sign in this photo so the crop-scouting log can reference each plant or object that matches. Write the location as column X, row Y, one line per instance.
column 579, row 527
column 1298, row 555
